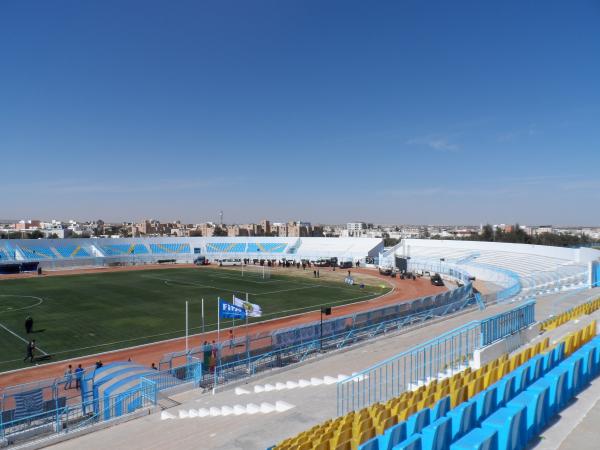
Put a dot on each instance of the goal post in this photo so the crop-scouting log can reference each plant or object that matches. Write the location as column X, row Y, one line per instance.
column 251, row 270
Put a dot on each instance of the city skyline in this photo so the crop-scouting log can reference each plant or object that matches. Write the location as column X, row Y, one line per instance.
column 398, row 112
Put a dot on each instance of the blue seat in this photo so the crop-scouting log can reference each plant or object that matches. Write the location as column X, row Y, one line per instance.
column 441, row 408
column 536, row 368
column 412, row 443
column 558, row 354
column 392, row 436
column 588, row 368
column 464, row 419
column 506, row 389
column 595, row 343
column 521, row 375
column 510, row 423
column 437, row 435
column 487, row 403
column 478, row 439
column 418, row 421
column 574, row 374
column 536, row 403
column 371, row 444
column 548, row 361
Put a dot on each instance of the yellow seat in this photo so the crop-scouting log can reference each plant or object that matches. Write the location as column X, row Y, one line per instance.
column 475, row 387
column 459, row 396
column 515, row 361
column 387, row 423
column 441, row 393
column 444, row 383
column 490, row 378
column 545, row 343
column 398, row 407
column 422, row 404
column 363, row 437
column 416, row 398
column 407, row 412
column 362, row 426
column 323, row 445
column 456, row 385
column 341, row 436
column 344, row 445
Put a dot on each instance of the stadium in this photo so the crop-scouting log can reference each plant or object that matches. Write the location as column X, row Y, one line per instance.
column 355, row 346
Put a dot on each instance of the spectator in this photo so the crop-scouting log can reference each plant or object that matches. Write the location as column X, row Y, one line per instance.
column 154, row 366
column 206, row 352
column 213, row 357
column 98, row 364
column 230, row 339
column 314, row 273
column 78, row 376
column 68, row 377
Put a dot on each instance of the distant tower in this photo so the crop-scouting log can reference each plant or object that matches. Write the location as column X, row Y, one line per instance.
column 221, row 218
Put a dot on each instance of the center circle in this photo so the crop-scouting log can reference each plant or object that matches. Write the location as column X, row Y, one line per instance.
column 12, row 302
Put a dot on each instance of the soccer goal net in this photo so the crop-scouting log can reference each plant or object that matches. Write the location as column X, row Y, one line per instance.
column 250, row 270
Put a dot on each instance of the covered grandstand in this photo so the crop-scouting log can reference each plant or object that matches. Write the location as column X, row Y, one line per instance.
column 535, row 269
column 66, row 253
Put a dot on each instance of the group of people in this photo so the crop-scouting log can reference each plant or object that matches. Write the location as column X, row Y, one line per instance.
column 78, row 375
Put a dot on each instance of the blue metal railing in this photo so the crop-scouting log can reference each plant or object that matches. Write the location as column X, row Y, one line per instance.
column 446, row 353
column 504, row 324
column 443, row 355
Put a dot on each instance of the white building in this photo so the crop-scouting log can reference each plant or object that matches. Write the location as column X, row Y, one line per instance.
column 355, row 228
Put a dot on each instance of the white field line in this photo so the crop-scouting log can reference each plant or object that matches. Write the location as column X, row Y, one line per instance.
column 23, row 339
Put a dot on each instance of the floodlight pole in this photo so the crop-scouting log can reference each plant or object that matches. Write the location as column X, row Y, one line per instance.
column 321, row 334
column 186, row 327
column 202, row 316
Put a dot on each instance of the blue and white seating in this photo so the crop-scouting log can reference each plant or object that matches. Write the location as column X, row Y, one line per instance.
column 169, row 248
column 72, row 251
column 37, row 252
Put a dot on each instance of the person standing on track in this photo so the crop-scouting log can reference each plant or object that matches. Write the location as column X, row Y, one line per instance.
column 206, row 351
column 68, row 377
column 78, row 376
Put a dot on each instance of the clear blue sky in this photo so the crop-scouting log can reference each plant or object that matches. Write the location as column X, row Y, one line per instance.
column 394, row 111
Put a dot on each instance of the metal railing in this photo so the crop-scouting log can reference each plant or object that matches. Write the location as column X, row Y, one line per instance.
column 442, row 356
column 447, row 353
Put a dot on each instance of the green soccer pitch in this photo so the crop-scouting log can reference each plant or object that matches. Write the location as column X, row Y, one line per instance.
column 78, row 315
